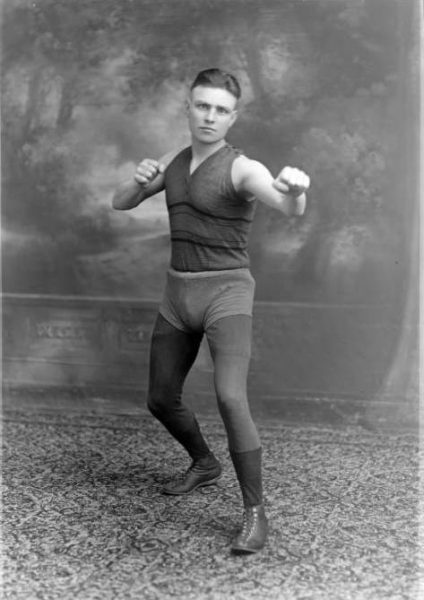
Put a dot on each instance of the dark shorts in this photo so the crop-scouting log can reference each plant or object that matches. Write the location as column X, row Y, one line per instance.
column 194, row 301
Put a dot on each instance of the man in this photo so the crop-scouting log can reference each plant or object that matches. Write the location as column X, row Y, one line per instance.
column 211, row 191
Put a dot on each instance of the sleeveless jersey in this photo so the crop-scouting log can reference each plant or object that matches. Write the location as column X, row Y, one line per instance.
column 209, row 221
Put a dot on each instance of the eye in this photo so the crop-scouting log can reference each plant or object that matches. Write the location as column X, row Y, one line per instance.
column 202, row 106
column 222, row 111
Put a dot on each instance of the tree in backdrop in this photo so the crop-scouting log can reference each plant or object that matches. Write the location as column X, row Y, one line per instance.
column 326, row 83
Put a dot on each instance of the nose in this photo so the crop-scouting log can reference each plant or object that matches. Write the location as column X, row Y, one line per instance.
column 210, row 115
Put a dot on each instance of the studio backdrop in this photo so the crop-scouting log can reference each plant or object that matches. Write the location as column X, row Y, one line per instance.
column 89, row 88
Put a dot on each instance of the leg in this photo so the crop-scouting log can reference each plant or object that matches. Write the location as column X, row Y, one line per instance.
column 172, row 354
column 230, row 342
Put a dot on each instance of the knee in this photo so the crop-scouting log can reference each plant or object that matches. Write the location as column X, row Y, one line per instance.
column 163, row 399
column 156, row 402
column 230, row 401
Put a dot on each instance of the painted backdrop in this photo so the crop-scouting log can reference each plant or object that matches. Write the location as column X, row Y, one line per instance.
column 91, row 87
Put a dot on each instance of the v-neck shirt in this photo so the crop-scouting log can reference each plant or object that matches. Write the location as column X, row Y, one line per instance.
column 209, row 221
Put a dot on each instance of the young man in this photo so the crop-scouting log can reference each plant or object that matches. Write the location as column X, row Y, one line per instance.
column 211, row 191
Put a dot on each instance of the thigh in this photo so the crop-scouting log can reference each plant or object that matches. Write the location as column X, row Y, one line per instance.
column 230, row 336
column 172, row 353
column 230, row 341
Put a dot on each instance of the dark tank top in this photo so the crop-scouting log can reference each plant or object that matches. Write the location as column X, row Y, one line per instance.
column 209, row 221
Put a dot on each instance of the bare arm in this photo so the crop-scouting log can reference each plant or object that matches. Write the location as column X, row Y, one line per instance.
column 148, row 180
column 286, row 192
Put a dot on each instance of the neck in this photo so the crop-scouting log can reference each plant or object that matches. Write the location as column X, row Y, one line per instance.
column 201, row 151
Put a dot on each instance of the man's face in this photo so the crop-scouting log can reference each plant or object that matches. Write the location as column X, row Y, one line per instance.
column 211, row 112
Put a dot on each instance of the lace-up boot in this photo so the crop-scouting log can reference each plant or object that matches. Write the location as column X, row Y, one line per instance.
column 205, row 471
column 254, row 532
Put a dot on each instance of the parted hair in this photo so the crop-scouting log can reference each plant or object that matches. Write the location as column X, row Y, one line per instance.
column 218, row 79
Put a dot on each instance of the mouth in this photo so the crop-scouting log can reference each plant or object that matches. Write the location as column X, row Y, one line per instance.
column 208, row 129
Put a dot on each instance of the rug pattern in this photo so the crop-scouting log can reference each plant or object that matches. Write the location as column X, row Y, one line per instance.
column 84, row 517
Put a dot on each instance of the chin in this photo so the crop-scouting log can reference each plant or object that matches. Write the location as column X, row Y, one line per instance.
column 207, row 139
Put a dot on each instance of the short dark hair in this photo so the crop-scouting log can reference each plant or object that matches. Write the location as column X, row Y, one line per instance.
column 218, row 79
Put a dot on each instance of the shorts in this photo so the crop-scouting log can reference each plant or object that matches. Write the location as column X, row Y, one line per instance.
column 193, row 301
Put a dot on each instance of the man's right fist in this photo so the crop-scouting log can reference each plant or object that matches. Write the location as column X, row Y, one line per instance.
column 147, row 170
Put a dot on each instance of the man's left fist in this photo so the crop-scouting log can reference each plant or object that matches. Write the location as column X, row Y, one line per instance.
column 292, row 181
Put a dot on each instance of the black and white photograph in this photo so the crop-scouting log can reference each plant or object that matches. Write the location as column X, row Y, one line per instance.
column 210, row 277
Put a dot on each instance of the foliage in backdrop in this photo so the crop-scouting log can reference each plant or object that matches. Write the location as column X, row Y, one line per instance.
column 91, row 87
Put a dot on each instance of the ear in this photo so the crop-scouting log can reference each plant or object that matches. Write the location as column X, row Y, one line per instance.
column 233, row 118
column 187, row 105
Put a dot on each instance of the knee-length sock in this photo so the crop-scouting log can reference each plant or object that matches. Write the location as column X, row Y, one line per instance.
column 248, row 468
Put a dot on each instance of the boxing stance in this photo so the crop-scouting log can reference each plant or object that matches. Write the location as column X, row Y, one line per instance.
column 211, row 193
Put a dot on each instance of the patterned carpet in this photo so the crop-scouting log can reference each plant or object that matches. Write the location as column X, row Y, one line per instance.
column 84, row 519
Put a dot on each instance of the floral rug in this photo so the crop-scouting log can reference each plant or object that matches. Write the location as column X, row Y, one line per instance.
column 84, row 517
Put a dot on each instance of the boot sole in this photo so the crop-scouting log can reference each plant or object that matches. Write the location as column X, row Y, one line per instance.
column 202, row 484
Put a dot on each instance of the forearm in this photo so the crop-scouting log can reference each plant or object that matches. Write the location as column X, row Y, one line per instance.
column 288, row 204
column 286, row 193
column 128, row 195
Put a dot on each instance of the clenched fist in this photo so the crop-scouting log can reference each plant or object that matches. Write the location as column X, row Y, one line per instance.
column 292, row 181
column 147, row 170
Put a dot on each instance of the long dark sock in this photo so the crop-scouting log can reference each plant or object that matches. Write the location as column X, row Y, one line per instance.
column 248, row 468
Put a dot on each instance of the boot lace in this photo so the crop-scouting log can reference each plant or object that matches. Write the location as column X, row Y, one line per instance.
column 250, row 521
